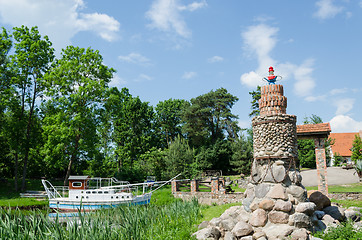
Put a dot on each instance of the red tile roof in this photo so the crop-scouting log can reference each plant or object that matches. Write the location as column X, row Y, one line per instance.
column 320, row 128
column 342, row 143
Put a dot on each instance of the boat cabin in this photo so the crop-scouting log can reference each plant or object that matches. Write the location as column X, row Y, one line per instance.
column 78, row 182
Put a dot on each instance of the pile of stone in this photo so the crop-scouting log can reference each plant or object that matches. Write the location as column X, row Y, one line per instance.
column 277, row 217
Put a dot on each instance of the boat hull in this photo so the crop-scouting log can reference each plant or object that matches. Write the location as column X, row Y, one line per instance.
column 65, row 204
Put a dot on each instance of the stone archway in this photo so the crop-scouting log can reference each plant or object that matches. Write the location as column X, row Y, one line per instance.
column 319, row 133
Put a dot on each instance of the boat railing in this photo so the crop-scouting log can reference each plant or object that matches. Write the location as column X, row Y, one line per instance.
column 50, row 189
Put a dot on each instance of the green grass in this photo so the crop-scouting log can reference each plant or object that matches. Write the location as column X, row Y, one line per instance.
column 344, row 231
column 210, row 212
column 348, row 203
column 354, row 187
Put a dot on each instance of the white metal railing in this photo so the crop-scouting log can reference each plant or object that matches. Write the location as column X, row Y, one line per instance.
column 50, row 189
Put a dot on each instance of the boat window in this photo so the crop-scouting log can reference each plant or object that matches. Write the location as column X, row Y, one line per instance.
column 106, row 192
column 122, row 197
column 94, row 192
column 127, row 196
column 116, row 196
column 76, row 184
column 87, row 192
column 81, row 192
column 87, row 197
column 76, row 196
column 100, row 192
column 111, row 197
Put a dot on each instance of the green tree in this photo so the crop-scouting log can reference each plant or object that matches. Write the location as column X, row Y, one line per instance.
column 180, row 158
column 30, row 61
column 5, row 96
column 133, row 127
column 168, row 117
column 356, row 149
column 255, row 96
column 242, row 155
column 209, row 118
column 77, row 87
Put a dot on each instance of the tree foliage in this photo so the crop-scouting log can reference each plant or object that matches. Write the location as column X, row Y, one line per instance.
column 209, row 118
column 356, row 149
column 255, row 96
column 77, row 86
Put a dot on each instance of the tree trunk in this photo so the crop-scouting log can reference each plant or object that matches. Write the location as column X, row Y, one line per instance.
column 72, row 159
column 16, row 171
column 27, row 139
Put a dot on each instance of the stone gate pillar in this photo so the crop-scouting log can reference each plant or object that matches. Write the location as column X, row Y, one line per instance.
column 321, row 160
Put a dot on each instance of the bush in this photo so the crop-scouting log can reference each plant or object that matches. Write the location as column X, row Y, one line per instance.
column 342, row 232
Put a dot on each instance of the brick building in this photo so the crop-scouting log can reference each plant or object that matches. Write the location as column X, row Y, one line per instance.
column 343, row 144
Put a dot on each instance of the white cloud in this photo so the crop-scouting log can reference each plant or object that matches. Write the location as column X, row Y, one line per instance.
column 60, row 20
column 304, row 80
column 193, row 6
column 344, row 105
column 135, row 58
column 117, row 81
column 143, row 77
column 188, row 75
column 327, row 9
column 165, row 16
column 315, row 98
column 336, row 91
column 343, row 123
column 260, row 40
column 215, row 59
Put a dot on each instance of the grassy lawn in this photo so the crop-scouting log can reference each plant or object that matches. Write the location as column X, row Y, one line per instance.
column 210, row 212
column 354, row 187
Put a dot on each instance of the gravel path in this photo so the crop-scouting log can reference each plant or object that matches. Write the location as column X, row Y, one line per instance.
column 335, row 176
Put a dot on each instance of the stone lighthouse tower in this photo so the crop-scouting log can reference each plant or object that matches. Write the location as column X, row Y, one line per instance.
column 275, row 197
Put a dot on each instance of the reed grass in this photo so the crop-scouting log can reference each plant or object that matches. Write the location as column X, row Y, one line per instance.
column 172, row 221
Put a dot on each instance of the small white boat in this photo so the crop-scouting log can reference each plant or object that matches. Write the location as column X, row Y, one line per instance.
column 86, row 194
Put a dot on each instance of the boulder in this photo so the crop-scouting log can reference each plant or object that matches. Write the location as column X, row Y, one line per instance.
column 319, row 214
column 231, row 212
column 267, row 204
column 299, row 234
column 300, row 220
column 242, row 229
column 229, row 236
column 278, row 192
column 321, row 201
column 277, row 231
column 246, row 204
column 207, row 233
column 204, row 224
column 246, row 238
column 335, row 212
column 261, row 190
column 284, row 206
column 259, row 234
column 299, row 193
column 227, row 224
column 278, row 217
column 255, row 204
column 243, row 216
column 306, row 207
column 215, row 222
column 353, row 215
column 258, row 218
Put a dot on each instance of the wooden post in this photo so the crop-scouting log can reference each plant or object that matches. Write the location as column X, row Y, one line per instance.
column 321, row 160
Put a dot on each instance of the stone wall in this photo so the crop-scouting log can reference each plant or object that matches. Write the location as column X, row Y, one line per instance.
column 275, row 136
column 208, row 199
column 346, row 196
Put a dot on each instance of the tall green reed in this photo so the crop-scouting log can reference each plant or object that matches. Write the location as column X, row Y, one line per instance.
column 171, row 221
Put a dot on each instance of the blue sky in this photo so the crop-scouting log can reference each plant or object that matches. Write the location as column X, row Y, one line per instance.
column 180, row 49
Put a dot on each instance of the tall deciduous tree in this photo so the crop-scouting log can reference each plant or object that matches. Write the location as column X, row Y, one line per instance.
column 133, row 126
column 31, row 60
column 76, row 86
column 209, row 118
column 168, row 115
column 242, row 154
